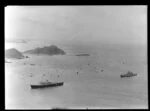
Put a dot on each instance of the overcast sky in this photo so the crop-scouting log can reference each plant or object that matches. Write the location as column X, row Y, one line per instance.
column 103, row 24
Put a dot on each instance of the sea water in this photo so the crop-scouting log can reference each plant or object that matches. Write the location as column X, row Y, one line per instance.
column 90, row 88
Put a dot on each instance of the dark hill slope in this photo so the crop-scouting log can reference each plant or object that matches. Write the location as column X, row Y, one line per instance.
column 13, row 53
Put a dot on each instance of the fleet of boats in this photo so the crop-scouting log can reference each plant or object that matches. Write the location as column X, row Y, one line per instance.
column 55, row 84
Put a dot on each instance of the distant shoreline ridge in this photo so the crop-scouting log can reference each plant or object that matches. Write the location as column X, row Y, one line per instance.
column 47, row 50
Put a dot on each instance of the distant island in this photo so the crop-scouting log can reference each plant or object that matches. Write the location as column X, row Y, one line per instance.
column 23, row 41
column 13, row 53
column 47, row 50
column 18, row 41
column 7, row 61
column 82, row 55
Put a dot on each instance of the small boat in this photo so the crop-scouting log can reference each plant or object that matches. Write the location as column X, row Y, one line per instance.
column 128, row 74
column 48, row 84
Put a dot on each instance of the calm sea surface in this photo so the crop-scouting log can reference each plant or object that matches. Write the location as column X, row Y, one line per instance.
column 92, row 87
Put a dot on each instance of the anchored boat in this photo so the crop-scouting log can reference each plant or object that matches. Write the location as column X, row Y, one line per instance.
column 47, row 84
column 128, row 74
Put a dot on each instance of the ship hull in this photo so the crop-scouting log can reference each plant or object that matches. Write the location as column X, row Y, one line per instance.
column 47, row 85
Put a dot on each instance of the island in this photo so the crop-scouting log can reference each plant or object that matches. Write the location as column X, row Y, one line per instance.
column 46, row 50
column 82, row 55
column 13, row 53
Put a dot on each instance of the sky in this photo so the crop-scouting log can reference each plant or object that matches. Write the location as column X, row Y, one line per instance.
column 90, row 24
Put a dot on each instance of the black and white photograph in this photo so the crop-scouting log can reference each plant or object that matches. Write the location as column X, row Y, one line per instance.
column 76, row 57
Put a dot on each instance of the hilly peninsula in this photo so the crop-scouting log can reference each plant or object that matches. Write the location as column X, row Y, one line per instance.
column 13, row 53
column 46, row 50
